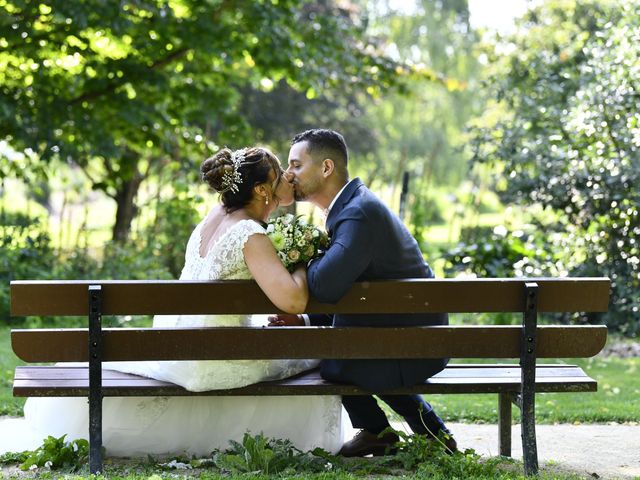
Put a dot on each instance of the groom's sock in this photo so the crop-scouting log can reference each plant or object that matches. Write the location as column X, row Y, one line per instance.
column 418, row 413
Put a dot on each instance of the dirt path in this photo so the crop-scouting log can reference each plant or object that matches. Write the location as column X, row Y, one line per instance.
column 595, row 451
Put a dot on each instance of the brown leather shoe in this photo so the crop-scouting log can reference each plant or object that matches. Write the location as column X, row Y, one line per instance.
column 366, row 443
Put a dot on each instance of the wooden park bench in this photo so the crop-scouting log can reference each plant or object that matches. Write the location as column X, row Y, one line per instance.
column 515, row 383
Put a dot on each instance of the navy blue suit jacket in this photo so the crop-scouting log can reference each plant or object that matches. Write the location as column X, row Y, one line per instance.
column 369, row 242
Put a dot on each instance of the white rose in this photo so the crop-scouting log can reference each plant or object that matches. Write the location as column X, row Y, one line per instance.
column 294, row 255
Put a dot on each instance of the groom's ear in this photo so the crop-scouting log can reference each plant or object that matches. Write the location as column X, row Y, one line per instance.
column 328, row 166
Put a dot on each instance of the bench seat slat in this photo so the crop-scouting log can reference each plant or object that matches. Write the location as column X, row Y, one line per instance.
column 234, row 343
column 73, row 381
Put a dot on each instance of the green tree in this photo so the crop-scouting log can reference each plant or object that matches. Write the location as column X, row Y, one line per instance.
column 567, row 137
column 123, row 88
column 421, row 130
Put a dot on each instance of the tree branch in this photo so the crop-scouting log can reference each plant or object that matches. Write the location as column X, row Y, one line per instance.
column 85, row 172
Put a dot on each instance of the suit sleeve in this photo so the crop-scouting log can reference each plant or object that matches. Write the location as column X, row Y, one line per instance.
column 321, row 320
column 351, row 251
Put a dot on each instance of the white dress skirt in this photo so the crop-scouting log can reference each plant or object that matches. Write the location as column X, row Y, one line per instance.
column 195, row 425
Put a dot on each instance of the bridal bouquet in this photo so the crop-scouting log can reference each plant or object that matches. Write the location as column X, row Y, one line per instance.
column 295, row 240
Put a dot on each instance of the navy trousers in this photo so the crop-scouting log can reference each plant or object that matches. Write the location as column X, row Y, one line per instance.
column 365, row 413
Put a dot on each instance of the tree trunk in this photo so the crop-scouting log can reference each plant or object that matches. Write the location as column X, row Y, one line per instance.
column 126, row 211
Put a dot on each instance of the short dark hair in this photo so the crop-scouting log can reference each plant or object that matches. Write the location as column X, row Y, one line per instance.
column 324, row 143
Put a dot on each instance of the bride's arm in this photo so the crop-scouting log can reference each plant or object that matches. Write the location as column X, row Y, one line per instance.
column 287, row 291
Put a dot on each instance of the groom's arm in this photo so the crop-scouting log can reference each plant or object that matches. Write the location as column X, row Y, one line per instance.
column 332, row 275
column 320, row 320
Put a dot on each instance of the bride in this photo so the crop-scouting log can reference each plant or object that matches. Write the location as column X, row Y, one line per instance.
column 229, row 243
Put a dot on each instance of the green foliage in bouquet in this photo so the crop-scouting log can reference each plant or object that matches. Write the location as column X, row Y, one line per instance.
column 295, row 240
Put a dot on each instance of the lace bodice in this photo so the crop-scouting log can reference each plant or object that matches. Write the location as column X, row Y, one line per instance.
column 225, row 260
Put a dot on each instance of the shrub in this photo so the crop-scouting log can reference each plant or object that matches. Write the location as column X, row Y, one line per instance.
column 26, row 253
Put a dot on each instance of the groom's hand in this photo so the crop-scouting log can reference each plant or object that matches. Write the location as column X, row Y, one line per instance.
column 285, row 320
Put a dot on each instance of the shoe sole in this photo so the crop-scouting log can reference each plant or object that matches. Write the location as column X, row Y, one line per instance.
column 375, row 451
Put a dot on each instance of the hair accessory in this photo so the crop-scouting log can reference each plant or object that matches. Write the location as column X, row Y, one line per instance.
column 232, row 179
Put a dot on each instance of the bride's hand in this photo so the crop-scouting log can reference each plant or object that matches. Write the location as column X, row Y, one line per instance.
column 286, row 320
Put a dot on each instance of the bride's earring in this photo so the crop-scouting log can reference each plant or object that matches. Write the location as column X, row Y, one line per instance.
column 266, row 200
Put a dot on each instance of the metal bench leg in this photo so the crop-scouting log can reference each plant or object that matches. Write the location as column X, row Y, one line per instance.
column 528, row 381
column 504, row 423
column 95, row 379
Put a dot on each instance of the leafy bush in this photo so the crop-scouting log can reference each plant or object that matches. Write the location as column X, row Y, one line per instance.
column 167, row 237
column 563, row 132
column 424, row 211
column 428, row 457
column 415, row 453
column 259, row 454
column 26, row 253
column 131, row 262
column 10, row 458
column 55, row 454
column 497, row 252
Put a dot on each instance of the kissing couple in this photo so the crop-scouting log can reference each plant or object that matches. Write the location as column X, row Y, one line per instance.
column 367, row 243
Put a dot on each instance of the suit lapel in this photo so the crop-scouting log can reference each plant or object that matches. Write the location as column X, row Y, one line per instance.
column 343, row 199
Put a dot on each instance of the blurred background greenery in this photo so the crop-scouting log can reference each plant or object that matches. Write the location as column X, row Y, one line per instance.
column 509, row 152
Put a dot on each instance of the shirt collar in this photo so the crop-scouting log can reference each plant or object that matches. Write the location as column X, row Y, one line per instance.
column 326, row 212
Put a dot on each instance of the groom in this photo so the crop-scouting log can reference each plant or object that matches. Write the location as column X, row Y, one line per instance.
column 368, row 242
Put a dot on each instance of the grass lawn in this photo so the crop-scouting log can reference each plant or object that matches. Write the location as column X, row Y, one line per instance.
column 150, row 473
column 8, row 361
column 617, row 398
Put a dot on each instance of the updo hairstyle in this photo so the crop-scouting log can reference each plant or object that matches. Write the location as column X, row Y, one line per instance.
column 254, row 169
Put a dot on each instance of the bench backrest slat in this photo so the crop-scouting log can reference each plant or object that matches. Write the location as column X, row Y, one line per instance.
column 244, row 297
column 71, row 345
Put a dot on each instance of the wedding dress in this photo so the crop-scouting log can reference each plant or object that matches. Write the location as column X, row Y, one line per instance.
column 134, row 426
